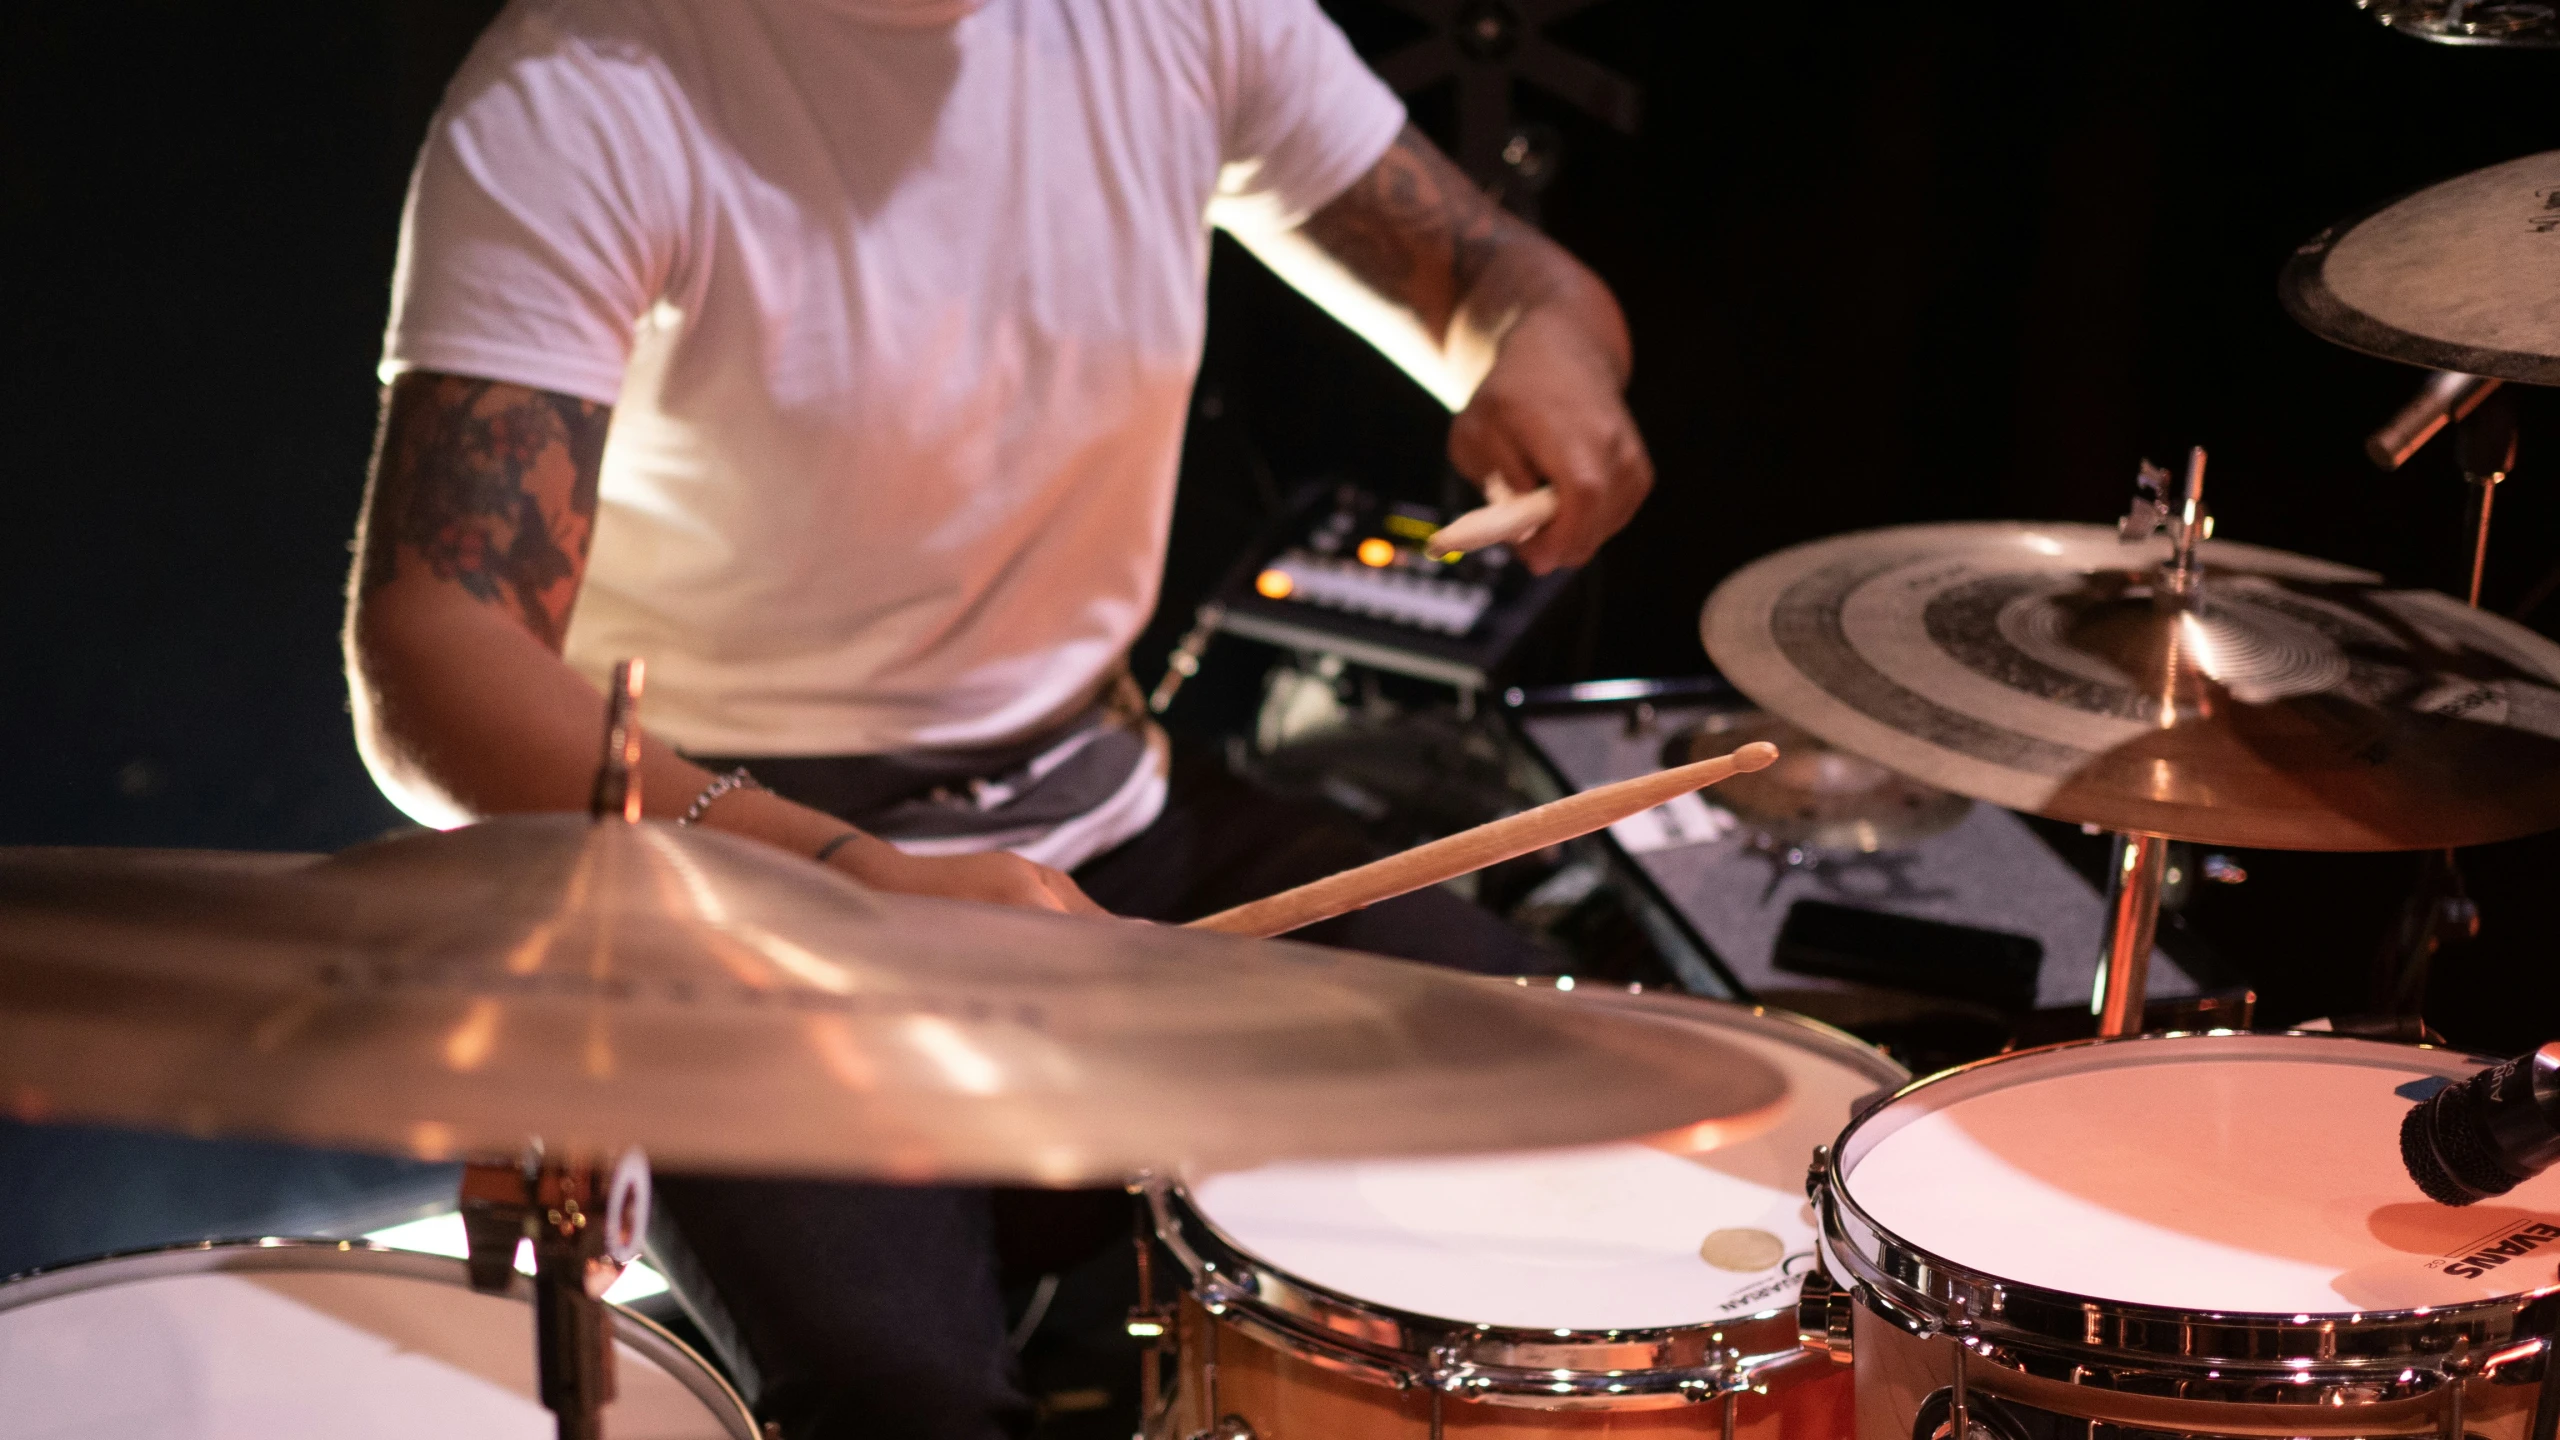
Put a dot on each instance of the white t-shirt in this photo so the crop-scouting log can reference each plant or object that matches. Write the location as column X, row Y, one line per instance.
column 899, row 307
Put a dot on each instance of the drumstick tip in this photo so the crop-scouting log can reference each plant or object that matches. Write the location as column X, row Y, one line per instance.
column 1758, row 755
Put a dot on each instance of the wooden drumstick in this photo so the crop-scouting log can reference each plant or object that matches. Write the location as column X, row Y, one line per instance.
column 1513, row 516
column 1487, row 844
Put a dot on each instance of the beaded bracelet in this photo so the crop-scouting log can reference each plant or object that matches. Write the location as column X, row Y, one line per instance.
column 720, row 785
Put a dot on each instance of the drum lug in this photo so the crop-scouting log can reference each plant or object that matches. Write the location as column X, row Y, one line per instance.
column 1817, row 1173
column 1229, row 1427
column 1824, row 1314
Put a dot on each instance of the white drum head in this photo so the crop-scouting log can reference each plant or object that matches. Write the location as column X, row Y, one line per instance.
column 2244, row 1173
column 298, row 1354
column 1604, row 1237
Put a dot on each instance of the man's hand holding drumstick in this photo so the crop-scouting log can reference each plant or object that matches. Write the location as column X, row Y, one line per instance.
column 1550, row 411
column 1515, row 336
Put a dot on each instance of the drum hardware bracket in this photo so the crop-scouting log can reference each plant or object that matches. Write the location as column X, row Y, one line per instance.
column 2546, row 1403
column 1228, row 1426
column 2458, row 1368
column 1149, row 1320
column 1825, row 1313
column 1960, row 1330
column 586, row 1224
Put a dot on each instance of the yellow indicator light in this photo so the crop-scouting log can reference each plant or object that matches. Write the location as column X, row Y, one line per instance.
column 1274, row 584
column 1377, row 554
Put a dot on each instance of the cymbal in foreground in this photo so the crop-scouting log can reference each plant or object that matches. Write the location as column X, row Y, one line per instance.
column 2463, row 275
column 2304, row 707
column 727, row 1006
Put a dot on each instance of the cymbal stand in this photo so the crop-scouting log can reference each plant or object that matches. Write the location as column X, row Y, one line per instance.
column 2139, row 862
column 2133, row 924
column 585, row 1220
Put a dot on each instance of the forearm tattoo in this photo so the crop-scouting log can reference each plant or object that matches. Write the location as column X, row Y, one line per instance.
column 487, row 486
column 1416, row 230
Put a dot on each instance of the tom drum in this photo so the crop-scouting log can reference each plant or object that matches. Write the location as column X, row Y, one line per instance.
column 1596, row 1290
column 2183, row 1234
column 301, row 1340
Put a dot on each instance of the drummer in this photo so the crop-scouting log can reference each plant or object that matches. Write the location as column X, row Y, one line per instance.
column 832, row 356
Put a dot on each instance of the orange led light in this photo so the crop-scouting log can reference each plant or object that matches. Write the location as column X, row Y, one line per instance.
column 1377, row 554
column 1274, row 584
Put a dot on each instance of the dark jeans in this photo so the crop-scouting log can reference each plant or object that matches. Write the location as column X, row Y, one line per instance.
column 72, row 1192
column 877, row 1310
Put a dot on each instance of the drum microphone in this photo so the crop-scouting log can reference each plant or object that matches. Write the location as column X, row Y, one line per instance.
column 2486, row 1135
column 2446, row 396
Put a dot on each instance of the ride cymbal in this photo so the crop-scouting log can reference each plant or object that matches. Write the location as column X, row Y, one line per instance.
column 2463, row 275
column 726, row 1006
column 2298, row 705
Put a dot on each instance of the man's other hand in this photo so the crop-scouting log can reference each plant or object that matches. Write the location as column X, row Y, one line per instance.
column 995, row 878
column 1549, row 411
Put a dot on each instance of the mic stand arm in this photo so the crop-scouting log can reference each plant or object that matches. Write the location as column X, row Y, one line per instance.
column 2440, row 914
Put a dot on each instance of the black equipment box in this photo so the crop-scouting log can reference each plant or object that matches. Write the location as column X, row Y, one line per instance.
column 1343, row 572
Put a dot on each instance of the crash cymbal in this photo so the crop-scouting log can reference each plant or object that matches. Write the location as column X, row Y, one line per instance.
column 2463, row 275
column 727, row 1006
column 1817, row 794
column 2301, row 705
column 2512, row 24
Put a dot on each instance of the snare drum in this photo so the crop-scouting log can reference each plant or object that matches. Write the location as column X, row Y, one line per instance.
column 1593, row 1290
column 2192, row 1234
column 305, row 1339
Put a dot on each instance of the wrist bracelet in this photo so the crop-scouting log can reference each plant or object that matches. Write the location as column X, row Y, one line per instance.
column 831, row 847
column 720, row 785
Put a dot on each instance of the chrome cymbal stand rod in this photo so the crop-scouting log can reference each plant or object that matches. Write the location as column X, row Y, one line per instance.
column 1150, row 1321
column 2189, row 529
column 586, row 1223
column 2140, row 862
column 2485, row 441
column 617, row 790
column 2133, row 921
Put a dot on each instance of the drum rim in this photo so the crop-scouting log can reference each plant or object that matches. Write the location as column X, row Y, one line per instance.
column 1523, row 1364
column 2264, row 1355
column 280, row 1253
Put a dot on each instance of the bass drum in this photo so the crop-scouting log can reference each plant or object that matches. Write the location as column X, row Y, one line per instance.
column 314, row 1340
column 1603, row 1289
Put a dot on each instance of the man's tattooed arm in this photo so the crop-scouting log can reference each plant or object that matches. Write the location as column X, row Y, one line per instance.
column 1523, row 344
column 1418, row 232
column 487, row 487
column 473, row 541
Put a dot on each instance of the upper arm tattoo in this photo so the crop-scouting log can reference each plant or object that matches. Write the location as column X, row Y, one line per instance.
column 488, row 486
column 1415, row 229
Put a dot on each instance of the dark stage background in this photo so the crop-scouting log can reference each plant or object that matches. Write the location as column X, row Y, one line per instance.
column 1894, row 262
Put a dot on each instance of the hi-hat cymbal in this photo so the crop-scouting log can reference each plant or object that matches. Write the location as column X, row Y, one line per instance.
column 1817, row 794
column 2302, row 706
column 726, row 1006
column 2463, row 275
